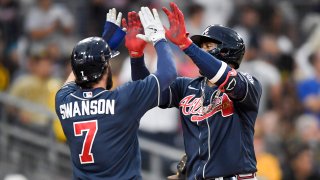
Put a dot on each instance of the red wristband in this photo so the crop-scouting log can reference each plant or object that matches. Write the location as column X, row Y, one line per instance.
column 185, row 43
column 135, row 54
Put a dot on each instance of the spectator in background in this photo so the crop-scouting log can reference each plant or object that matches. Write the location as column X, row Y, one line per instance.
column 301, row 165
column 309, row 89
column 10, row 23
column 194, row 20
column 4, row 77
column 248, row 26
column 272, row 128
column 4, row 73
column 36, row 86
column 307, row 131
column 267, row 164
column 97, row 11
column 277, row 25
column 50, row 25
column 10, row 30
column 304, row 70
column 217, row 11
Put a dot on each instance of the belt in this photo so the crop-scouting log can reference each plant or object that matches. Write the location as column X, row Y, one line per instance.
column 224, row 178
column 249, row 176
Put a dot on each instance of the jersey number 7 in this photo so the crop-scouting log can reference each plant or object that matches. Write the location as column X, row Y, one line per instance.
column 91, row 127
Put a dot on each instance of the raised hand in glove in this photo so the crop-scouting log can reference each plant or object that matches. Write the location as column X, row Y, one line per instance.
column 153, row 28
column 112, row 32
column 177, row 32
column 111, row 16
column 134, row 45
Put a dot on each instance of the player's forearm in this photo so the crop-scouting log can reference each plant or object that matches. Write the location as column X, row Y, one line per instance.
column 113, row 35
column 166, row 68
column 215, row 70
column 138, row 68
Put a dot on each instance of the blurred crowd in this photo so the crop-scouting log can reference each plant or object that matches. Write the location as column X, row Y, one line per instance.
column 282, row 40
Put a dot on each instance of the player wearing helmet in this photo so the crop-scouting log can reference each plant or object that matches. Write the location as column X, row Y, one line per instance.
column 219, row 109
column 101, row 125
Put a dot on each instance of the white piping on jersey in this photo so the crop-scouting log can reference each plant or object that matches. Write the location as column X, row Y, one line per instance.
column 78, row 97
column 66, row 84
column 222, row 69
column 209, row 149
column 88, row 98
column 99, row 93
column 159, row 91
column 199, row 139
column 246, row 89
column 70, row 82
column 170, row 96
column 195, row 175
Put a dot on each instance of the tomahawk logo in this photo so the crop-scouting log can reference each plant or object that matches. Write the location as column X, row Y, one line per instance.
column 192, row 106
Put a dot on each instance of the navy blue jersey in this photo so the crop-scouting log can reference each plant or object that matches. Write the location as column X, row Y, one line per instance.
column 218, row 127
column 101, row 127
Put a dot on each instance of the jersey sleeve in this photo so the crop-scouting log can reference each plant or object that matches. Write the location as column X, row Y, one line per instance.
column 66, row 90
column 172, row 95
column 244, row 89
column 141, row 94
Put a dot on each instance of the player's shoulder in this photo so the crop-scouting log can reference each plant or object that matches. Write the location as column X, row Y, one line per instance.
column 66, row 90
column 69, row 85
column 249, row 78
column 184, row 84
column 252, row 82
column 181, row 82
column 184, row 80
column 132, row 87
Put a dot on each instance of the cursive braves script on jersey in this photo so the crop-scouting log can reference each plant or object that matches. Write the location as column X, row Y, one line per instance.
column 192, row 106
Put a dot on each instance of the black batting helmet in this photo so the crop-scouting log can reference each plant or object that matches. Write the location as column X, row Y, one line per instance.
column 89, row 57
column 230, row 46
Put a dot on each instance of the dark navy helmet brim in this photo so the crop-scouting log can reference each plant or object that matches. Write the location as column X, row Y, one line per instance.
column 199, row 39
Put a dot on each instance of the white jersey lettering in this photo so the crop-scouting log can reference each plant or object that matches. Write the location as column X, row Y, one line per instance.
column 93, row 107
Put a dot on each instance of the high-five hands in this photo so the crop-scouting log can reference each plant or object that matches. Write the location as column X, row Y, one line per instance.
column 153, row 28
column 177, row 32
column 134, row 45
column 112, row 17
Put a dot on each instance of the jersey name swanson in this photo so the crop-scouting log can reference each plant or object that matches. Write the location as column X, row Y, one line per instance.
column 93, row 107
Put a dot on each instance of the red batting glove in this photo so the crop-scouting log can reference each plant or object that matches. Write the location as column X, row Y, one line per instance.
column 177, row 32
column 134, row 45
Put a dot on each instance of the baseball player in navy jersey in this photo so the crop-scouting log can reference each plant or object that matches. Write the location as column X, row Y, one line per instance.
column 219, row 109
column 101, row 125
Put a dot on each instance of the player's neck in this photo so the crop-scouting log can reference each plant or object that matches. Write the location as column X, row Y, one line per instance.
column 100, row 84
